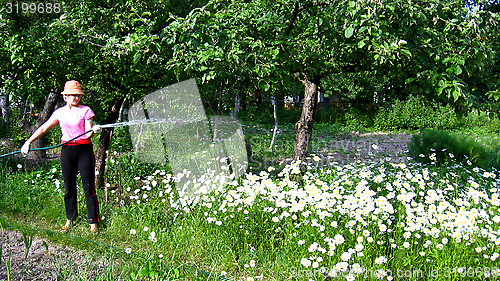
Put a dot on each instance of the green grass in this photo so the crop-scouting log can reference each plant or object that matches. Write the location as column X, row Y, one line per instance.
column 272, row 224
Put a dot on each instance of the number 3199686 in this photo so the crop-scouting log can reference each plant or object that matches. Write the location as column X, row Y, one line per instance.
column 33, row 7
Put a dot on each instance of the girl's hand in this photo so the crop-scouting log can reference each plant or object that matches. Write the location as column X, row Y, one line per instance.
column 26, row 148
column 96, row 128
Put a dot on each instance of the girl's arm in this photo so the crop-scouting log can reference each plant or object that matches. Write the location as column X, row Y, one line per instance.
column 89, row 123
column 38, row 133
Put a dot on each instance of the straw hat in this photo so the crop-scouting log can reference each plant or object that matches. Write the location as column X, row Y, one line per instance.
column 72, row 88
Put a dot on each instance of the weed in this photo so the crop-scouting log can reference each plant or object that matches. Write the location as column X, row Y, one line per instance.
column 28, row 241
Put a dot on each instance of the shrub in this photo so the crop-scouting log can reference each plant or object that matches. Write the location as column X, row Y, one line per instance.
column 415, row 113
column 443, row 148
column 476, row 119
column 121, row 140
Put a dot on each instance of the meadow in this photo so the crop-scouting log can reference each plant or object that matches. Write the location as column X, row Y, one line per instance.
column 376, row 219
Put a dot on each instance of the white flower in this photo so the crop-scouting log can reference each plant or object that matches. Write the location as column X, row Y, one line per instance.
column 145, row 228
column 252, row 263
column 381, row 260
column 132, row 231
column 313, row 247
column 305, row 262
column 380, row 274
column 339, row 239
column 128, row 251
column 345, row 256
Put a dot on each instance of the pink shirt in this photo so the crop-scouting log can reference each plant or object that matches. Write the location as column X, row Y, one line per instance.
column 72, row 121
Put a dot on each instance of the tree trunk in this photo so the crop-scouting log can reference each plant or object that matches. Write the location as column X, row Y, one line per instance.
column 304, row 126
column 275, row 114
column 48, row 109
column 4, row 104
column 237, row 104
column 105, row 142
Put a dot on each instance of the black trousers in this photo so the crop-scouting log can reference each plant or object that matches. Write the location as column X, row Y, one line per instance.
column 74, row 159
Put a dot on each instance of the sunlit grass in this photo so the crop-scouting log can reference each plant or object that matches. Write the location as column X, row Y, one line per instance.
column 381, row 221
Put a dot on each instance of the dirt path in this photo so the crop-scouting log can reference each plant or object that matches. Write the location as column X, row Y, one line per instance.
column 369, row 147
column 45, row 260
column 366, row 147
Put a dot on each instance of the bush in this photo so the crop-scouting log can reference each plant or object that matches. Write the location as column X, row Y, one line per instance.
column 121, row 141
column 476, row 119
column 443, row 148
column 415, row 113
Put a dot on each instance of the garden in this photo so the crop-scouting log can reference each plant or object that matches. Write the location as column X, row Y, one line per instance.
column 370, row 130
column 384, row 212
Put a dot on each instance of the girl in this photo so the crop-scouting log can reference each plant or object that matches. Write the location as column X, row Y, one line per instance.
column 77, row 155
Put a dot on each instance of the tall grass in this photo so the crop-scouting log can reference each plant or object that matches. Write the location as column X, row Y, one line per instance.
column 375, row 221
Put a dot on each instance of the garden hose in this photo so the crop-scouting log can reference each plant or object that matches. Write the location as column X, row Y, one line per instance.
column 49, row 147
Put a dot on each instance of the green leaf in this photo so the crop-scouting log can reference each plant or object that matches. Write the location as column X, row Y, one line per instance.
column 458, row 70
column 406, row 52
column 456, row 94
column 361, row 44
column 349, row 32
column 409, row 80
column 266, row 87
column 137, row 57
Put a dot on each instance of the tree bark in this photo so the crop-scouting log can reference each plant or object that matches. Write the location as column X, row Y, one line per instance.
column 237, row 104
column 304, row 126
column 4, row 104
column 105, row 142
column 275, row 114
column 48, row 109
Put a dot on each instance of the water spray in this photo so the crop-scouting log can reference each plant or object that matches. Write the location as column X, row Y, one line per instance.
column 170, row 124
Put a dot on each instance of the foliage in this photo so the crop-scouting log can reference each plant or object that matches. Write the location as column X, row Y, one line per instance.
column 263, row 114
column 442, row 148
column 415, row 113
column 122, row 141
column 123, row 50
column 479, row 119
